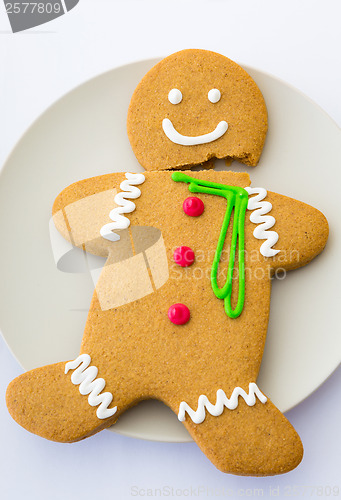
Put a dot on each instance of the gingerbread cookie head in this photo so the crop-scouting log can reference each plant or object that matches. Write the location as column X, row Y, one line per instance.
column 193, row 106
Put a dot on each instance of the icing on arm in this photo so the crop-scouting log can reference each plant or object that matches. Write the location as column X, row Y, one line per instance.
column 259, row 209
column 125, row 206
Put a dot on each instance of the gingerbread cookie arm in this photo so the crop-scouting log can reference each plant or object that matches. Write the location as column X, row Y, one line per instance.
column 90, row 214
column 291, row 233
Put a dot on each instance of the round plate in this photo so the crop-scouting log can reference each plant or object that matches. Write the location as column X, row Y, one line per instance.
column 43, row 309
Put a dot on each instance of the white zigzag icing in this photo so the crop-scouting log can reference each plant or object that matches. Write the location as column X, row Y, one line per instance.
column 265, row 222
column 223, row 401
column 125, row 206
column 88, row 384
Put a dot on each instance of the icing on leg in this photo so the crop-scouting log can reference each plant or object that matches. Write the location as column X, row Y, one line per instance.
column 86, row 377
column 222, row 402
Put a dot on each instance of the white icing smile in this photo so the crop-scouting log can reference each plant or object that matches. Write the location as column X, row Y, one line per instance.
column 186, row 140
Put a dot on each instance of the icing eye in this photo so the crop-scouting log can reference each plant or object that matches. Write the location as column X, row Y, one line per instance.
column 214, row 95
column 175, row 96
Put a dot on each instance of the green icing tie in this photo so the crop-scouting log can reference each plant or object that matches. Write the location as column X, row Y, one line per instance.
column 237, row 199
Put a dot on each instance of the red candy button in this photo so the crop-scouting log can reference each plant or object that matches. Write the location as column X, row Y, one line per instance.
column 183, row 256
column 193, row 206
column 179, row 314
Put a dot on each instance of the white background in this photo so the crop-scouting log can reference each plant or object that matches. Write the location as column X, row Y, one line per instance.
column 298, row 41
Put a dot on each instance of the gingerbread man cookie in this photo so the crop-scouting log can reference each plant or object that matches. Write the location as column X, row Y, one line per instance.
column 180, row 309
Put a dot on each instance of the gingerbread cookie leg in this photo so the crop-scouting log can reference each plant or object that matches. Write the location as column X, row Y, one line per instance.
column 66, row 401
column 252, row 439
